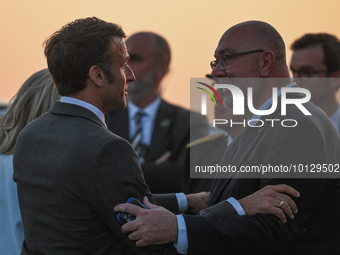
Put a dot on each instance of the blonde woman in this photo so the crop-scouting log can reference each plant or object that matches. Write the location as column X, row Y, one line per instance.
column 34, row 98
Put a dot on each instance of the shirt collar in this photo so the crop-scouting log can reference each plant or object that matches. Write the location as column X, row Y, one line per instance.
column 150, row 110
column 92, row 108
column 335, row 118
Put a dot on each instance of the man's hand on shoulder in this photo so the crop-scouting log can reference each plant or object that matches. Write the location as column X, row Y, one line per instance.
column 151, row 226
column 271, row 200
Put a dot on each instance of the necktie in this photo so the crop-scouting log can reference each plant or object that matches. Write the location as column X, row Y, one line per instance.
column 136, row 139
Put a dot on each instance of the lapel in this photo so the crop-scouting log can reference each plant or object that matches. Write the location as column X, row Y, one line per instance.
column 241, row 149
column 220, row 182
column 163, row 124
column 236, row 155
column 75, row 110
column 252, row 135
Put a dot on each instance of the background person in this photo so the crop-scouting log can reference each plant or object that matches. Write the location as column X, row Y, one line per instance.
column 164, row 128
column 315, row 65
column 34, row 98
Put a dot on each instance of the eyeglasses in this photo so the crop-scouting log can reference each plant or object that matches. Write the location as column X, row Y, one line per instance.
column 306, row 73
column 224, row 60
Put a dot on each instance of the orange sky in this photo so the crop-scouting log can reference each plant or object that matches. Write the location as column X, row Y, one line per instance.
column 193, row 29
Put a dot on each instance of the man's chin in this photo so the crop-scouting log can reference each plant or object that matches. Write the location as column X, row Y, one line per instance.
column 121, row 106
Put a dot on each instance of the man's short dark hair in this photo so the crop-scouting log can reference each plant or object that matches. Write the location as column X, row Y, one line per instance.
column 330, row 45
column 77, row 46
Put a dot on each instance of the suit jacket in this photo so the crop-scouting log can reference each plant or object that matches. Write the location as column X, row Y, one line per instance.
column 71, row 172
column 315, row 228
column 171, row 133
column 204, row 152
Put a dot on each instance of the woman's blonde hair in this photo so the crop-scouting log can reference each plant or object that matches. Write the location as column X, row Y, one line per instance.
column 35, row 97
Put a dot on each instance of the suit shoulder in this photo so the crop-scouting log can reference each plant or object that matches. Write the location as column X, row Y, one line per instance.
column 185, row 113
column 119, row 142
column 176, row 108
column 317, row 118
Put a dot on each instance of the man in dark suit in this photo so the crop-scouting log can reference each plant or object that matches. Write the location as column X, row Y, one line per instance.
column 256, row 50
column 165, row 127
column 70, row 170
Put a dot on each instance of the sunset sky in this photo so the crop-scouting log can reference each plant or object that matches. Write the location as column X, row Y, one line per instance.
column 193, row 29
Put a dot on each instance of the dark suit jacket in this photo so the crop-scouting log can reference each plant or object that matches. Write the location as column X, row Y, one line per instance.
column 204, row 152
column 71, row 172
column 171, row 133
column 315, row 228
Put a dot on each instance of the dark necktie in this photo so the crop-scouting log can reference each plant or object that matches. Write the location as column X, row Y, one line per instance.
column 136, row 139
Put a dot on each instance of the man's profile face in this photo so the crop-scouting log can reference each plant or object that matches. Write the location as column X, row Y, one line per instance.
column 311, row 59
column 142, row 62
column 245, row 66
column 116, row 92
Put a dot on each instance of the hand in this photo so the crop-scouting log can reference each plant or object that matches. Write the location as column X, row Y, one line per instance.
column 197, row 202
column 163, row 158
column 151, row 226
column 268, row 200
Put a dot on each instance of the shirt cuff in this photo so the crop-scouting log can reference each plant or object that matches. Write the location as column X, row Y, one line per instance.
column 237, row 206
column 182, row 202
column 182, row 241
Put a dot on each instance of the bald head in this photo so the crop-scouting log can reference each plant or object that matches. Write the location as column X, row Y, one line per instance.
column 154, row 43
column 252, row 49
column 252, row 35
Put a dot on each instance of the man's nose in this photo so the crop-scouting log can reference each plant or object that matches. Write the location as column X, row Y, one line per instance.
column 130, row 76
column 218, row 72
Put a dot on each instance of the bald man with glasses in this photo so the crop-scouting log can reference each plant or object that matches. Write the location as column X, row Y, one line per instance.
column 315, row 228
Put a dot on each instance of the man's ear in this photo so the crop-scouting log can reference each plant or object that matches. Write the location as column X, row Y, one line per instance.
column 267, row 61
column 97, row 75
column 335, row 82
column 162, row 68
